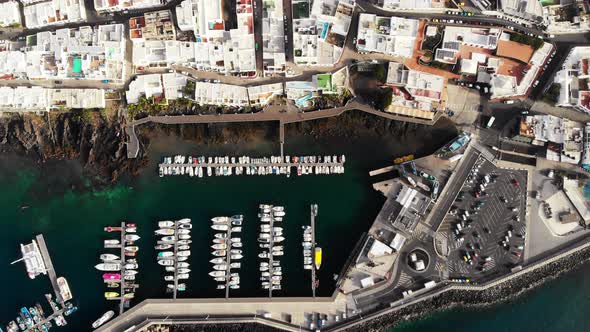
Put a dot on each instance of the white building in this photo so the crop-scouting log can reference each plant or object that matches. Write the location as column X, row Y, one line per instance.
column 414, row 5
column 41, row 14
column 125, row 5
column 319, row 33
column 10, row 14
column 41, row 99
column 273, row 37
column 388, row 35
column 573, row 79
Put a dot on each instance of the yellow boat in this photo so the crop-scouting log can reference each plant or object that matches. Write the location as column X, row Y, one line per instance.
column 110, row 294
column 318, row 257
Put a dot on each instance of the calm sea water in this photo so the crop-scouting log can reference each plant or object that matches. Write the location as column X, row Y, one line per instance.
column 71, row 214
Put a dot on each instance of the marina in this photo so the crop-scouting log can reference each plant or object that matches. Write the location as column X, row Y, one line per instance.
column 120, row 271
column 175, row 236
column 312, row 255
column 271, row 235
column 227, row 252
column 38, row 261
column 243, row 165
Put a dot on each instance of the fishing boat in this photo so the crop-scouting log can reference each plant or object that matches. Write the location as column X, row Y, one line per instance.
column 220, row 227
column 166, row 262
column 165, row 231
column 163, row 254
column 217, row 273
column 163, row 246
column 111, row 276
column 109, row 257
column 131, row 237
column 220, row 267
column 166, row 224
column 108, row 267
column 103, row 319
column 132, row 249
column 318, row 257
column 219, row 246
column 108, row 295
column 219, row 253
column 218, row 260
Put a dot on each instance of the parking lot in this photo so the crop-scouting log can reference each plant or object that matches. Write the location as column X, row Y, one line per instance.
column 485, row 227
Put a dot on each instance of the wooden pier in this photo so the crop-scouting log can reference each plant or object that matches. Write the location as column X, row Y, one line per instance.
column 314, row 213
column 228, row 261
column 271, row 267
column 175, row 290
column 382, row 170
column 122, row 289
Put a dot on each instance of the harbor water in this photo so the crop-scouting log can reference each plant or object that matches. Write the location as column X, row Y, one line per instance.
column 58, row 201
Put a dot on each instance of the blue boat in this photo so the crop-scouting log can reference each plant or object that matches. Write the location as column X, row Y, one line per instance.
column 26, row 316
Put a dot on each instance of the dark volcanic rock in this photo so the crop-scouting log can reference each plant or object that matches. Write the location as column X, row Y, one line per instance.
column 97, row 143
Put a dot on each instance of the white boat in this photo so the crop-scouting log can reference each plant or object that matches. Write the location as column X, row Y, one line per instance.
column 220, row 279
column 217, row 273
column 277, row 248
column 277, row 229
column 129, row 277
column 184, row 253
column 131, row 266
column 263, row 254
column 184, row 231
column 165, row 231
column 170, row 268
column 219, row 246
column 111, row 242
column 221, row 235
column 185, row 226
column 184, row 270
column 163, row 246
column 131, row 229
column 278, row 208
column 108, row 267
column 220, row 286
column 222, row 253
column 166, row 262
column 220, row 220
column 264, row 264
column 185, row 241
column 236, row 229
column 264, row 236
column 277, row 253
column 184, row 221
column 236, row 256
column 236, row 265
column 220, row 267
column 236, row 222
column 184, row 247
column 169, row 238
column 278, row 239
column 182, row 264
column 103, row 319
column 109, row 257
column 279, row 214
column 179, row 287
column 235, row 239
column 131, row 237
column 163, row 254
column 216, row 240
column 184, row 237
column 220, row 227
column 235, row 251
column 166, row 224
column 130, row 272
column 182, row 276
column 218, row 260
column 236, row 245
column 307, row 266
column 168, row 278
column 132, row 249
column 182, row 258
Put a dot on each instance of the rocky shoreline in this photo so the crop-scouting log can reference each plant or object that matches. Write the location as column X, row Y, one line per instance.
column 478, row 299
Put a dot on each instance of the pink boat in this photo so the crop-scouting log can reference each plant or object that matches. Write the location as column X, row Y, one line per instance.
column 111, row 276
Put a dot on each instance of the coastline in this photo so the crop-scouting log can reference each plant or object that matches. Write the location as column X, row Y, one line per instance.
column 478, row 299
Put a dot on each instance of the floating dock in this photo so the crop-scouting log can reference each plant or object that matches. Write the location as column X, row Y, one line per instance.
column 314, row 213
column 49, row 266
column 244, row 165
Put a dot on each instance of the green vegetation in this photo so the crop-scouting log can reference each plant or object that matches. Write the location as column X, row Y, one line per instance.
column 552, row 95
column 300, row 10
column 189, row 89
column 535, row 42
column 83, row 115
column 430, row 43
column 297, row 52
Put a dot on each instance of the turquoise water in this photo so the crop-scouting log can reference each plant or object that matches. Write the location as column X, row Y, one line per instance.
column 561, row 305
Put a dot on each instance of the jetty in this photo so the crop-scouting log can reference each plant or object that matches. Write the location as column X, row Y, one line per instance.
column 314, row 213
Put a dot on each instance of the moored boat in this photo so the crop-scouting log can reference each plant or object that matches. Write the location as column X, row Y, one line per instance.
column 103, row 319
